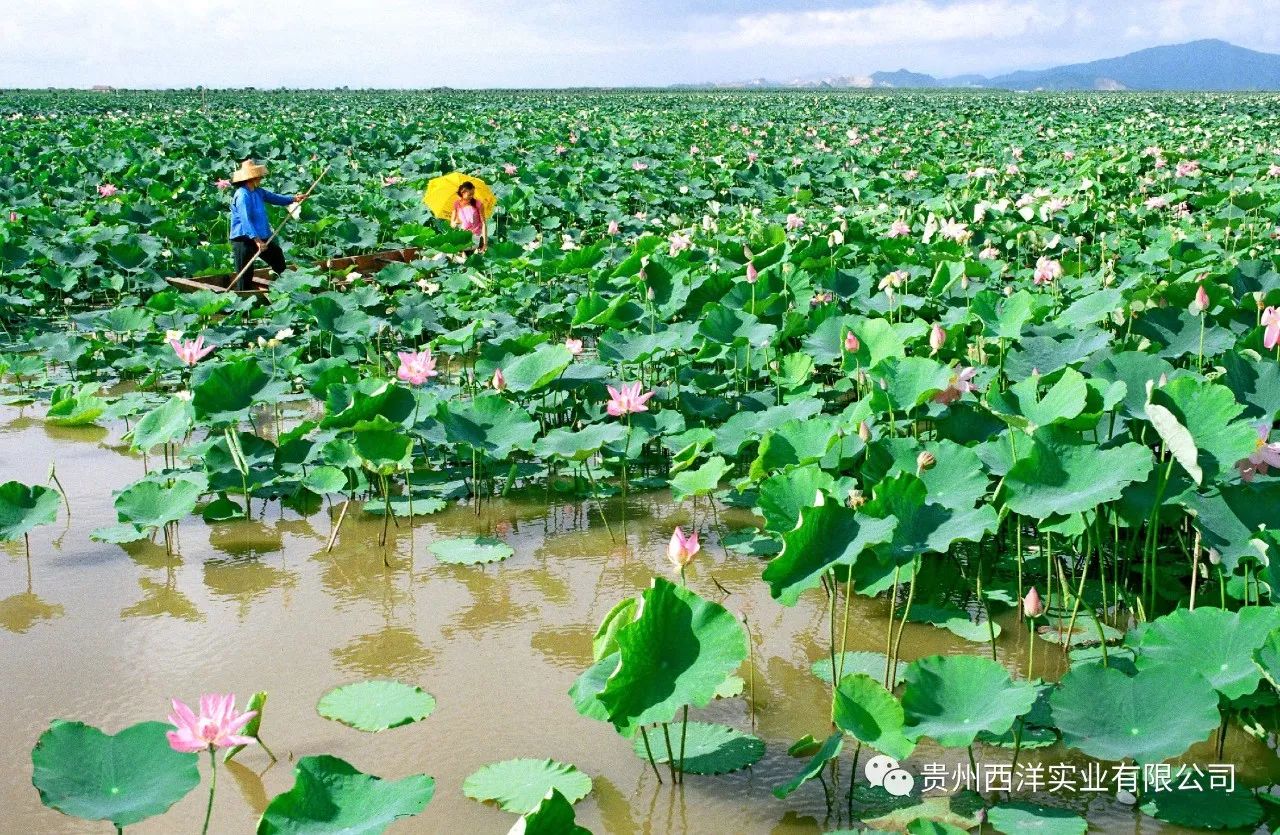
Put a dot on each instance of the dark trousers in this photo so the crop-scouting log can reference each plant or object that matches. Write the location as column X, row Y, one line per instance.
column 245, row 248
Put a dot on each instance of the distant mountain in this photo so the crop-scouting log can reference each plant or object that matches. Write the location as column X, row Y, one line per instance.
column 1198, row 65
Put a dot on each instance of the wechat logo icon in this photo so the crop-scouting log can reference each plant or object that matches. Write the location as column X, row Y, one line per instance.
column 887, row 773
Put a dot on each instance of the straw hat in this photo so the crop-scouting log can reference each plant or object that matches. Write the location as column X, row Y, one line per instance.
column 248, row 170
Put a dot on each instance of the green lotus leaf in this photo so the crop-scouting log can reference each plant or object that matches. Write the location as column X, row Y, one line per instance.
column 537, row 369
column 118, row 534
column 1060, row 473
column 79, row 408
column 883, row 811
column 148, row 504
column 23, row 508
column 471, row 550
column 1025, row 407
column 554, row 816
column 329, row 797
column 957, row 479
column 1177, row 440
column 1217, row 644
column 227, row 391
column 1267, row 657
column 1018, row 816
column 923, row 528
column 871, row 663
column 383, row 447
column 489, row 424
column 1232, row 517
column 167, row 423
column 865, row 710
column 828, row 535
column 1004, row 317
column 376, row 705
column 347, row 405
column 700, row 482
column 605, row 641
column 785, row 495
column 924, row 826
column 325, row 479
column 1050, row 353
column 708, row 748
column 677, row 652
column 590, row 684
column 125, row 778
column 579, row 445
column 520, row 785
column 909, row 382
column 828, row 752
column 1209, row 412
column 745, row 426
column 257, row 703
column 797, row 443
column 1204, row 807
column 1156, row 714
column 951, row 699
column 1135, row 369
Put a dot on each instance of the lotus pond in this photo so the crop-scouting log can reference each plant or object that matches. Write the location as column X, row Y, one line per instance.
column 789, row 463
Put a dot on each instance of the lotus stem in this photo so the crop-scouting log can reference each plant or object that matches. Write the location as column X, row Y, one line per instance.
column 1195, row 571
column 888, row 636
column 844, row 632
column 751, row 672
column 1031, row 648
column 53, row 474
column 1017, row 745
column 595, row 489
column 831, row 627
column 891, row 673
column 644, row 734
column 684, row 730
column 671, row 751
column 213, row 786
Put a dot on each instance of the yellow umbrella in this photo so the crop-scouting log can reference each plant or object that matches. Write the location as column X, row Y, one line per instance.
column 442, row 193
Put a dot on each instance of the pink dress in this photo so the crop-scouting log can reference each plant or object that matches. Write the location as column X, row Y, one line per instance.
column 470, row 217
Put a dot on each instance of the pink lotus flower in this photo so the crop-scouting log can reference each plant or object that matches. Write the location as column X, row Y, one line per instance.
column 752, row 156
column 223, row 184
column 910, row 175
column 107, row 189
column 1271, row 321
column 1151, row 151
column 961, row 383
column 13, row 217
column 954, row 230
column 678, row 242
column 753, row 275
column 498, row 382
column 1182, row 210
column 1156, row 202
column 1047, row 270
column 1273, row 170
column 1032, row 605
column 1201, row 302
column 637, row 165
column 851, row 343
column 574, row 346
column 1068, row 155
column 820, row 298
column 613, row 227
column 627, row 399
column 989, row 253
column 217, row 726
column 1187, row 168
column 794, row 222
column 681, row 548
column 509, row 168
column 937, row 338
column 191, row 351
column 560, row 150
column 391, row 180
column 416, row 367
column 898, row 229
column 1264, row 456
column 694, row 150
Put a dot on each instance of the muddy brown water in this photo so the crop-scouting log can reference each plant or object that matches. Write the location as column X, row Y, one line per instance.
column 105, row 634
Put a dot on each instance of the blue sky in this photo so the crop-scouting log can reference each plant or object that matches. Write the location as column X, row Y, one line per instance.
column 551, row 43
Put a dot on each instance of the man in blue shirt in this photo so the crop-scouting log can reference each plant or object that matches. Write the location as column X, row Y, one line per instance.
column 250, row 230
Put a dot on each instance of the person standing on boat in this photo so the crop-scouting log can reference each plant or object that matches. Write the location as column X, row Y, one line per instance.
column 250, row 230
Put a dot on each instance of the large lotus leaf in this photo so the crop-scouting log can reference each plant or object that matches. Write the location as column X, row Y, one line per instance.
column 581, row 444
column 605, row 641
column 1177, row 440
column 828, row 535
column 785, row 495
column 700, row 482
column 1135, row 369
column 383, row 446
column 953, row 698
column 329, row 797
column 1061, row 473
column 708, row 748
column 865, row 710
column 1156, row 714
column 537, row 369
column 825, row 754
column 632, row 347
column 796, row 443
column 1217, row 644
column 1267, row 657
column 325, row 479
column 1199, row 807
column 520, row 785
column 873, row 664
column 745, row 426
column 471, row 550
column 1176, row 333
column 590, row 684
column 490, row 424
column 957, row 479
column 878, row 340
column 1209, row 412
column 923, row 528
column 228, row 390
column 24, row 508
column 554, row 816
column 1004, row 317
column 151, row 505
column 376, row 705
column 1025, row 406
column 908, row 382
column 1232, row 516
column 79, row 408
column 1255, row 383
column 677, row 652
column 126, row 778
column 1019, row 816
column 1048, row 354
column 1092, row 308
column 882, row 812
column 346, row 405
column 167, row 423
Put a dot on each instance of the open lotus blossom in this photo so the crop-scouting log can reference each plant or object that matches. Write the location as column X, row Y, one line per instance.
column 13, row 217
column 1201, row 302
column 217, row 726
column 681, row 549
column 573, row 346
column 1151, row 151
column 1068, row 155
column 1156, row 202
column 626, row 399
column 107, row 189
column 1182, row 210
column 1032, row 605
column 498, row 382
column 961, row 382
column 910, row 175
column 637, row 165
column 753, row 275
column 794, row 222
column 898, row 229
column 190, row 351
column 1273, row 170
column 613, row 227
column 954, row 230
column 851, row 343
column 1264, row 456
column 820, row 298
column 1047, row 270
column 752, row 156
column 1271, row 321
column 223, row 184
column 937, row 338
column 391, row 180
column 509, row 168
column 678, row 242
column 1187, row 168
column 989, row 253
column 416, row 367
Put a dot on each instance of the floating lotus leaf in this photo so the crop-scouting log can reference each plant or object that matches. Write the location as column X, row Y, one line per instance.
column 828, row 752
column 708, row 748
column 1156, row 714
column 554, row 816
column 471, row 550
column 147, row 504
column 871, row 714
column 1060, row 473
column 376, row 705
column 329, row 797
column 81, row 407
column 924, row 826
column 828, row 536
column 881, row 810
column 1019, row 816
column 1217, row 644
column 951, row 699
column 520, row 785
column 677, row 652
column 125, row 778
column 1204, row 807
column 23, row 508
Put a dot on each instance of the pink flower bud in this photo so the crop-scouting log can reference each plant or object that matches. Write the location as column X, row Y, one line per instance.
column 753, row 275
column 851, row 343
column 499, row 382
column 1032, row 605
column 937, row 338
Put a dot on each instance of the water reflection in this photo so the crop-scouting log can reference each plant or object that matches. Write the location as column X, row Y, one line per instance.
column 246, row 580
column 162, row 599
column 390, row 652
column 20, row 612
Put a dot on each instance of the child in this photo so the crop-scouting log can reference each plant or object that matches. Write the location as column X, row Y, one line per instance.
column 469, row 214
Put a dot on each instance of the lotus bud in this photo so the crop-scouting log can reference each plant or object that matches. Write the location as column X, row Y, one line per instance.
column 1032, row 605
column 864, row 431
column 499, row 382
column 1214, row 557
column 1164, row 381
column 851, row 343
column 1201, row 302
column 753, row 275
column 1258, row 298
column 681, row 548
column 937, row 338
column 819, row 499
column 856, row 499
column 925, row 461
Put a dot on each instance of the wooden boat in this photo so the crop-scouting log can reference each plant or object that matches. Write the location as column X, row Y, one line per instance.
column 369, row 262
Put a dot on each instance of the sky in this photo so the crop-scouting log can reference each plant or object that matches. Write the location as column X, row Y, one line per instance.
column 565, row 43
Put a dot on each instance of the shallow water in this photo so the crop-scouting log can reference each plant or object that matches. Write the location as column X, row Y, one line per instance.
column 106, row 634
